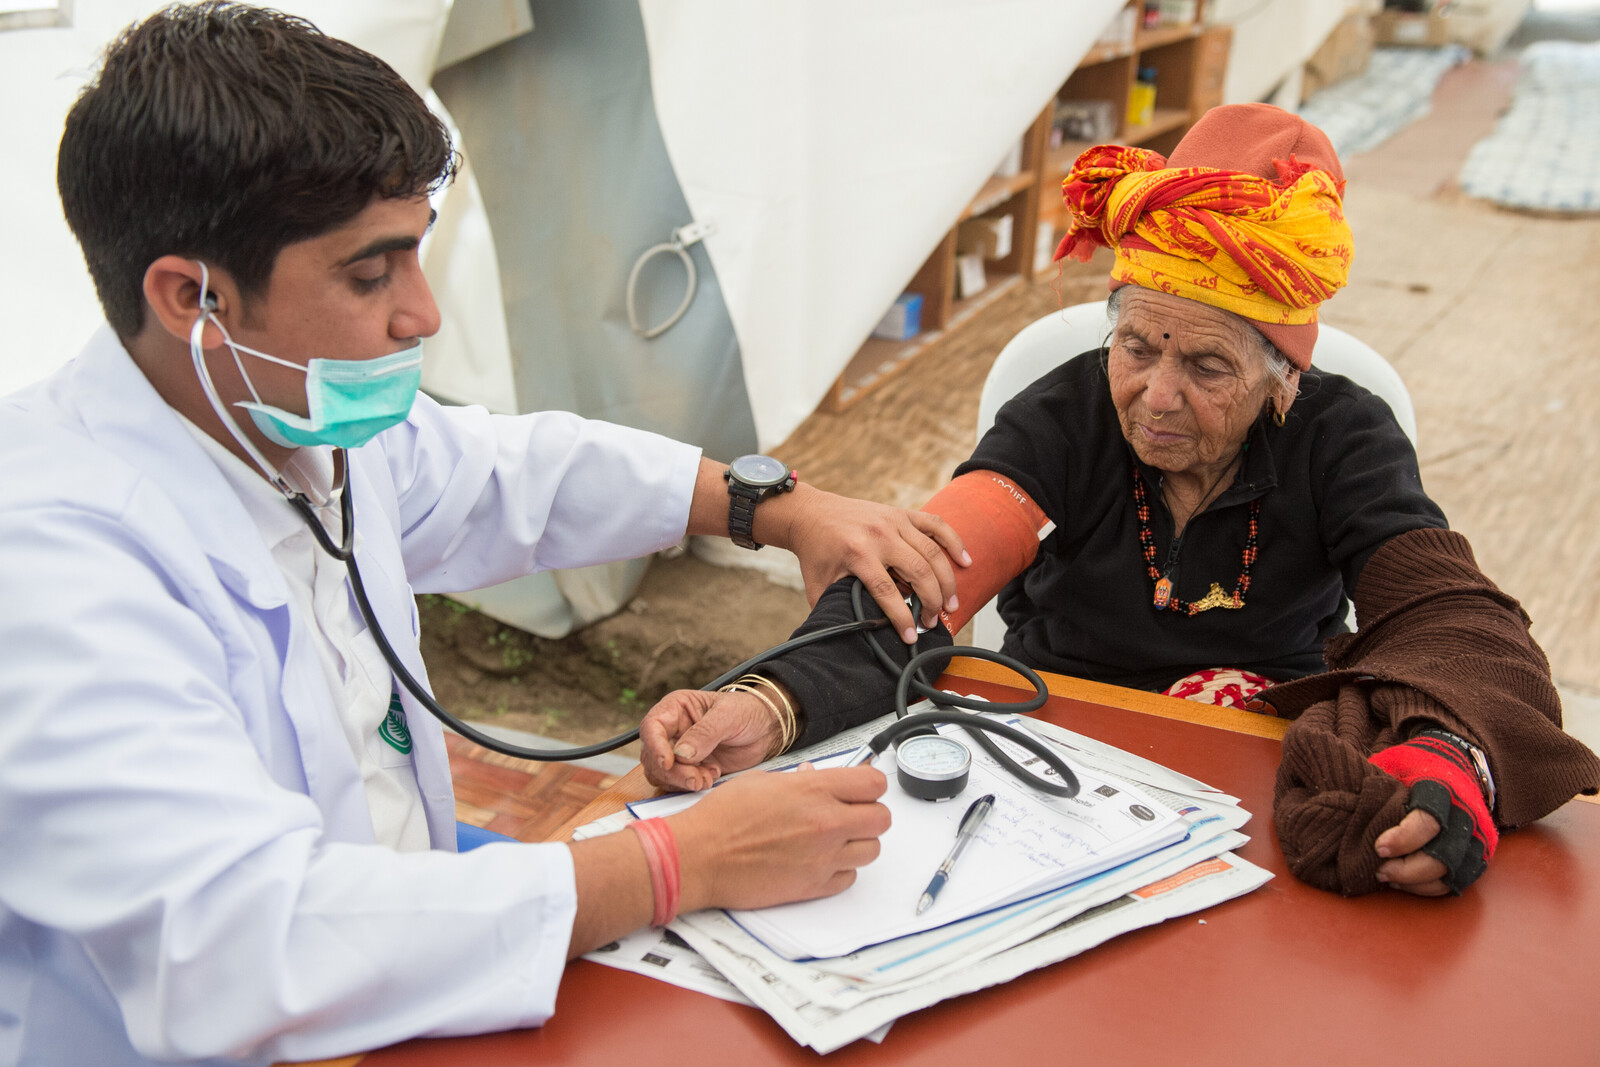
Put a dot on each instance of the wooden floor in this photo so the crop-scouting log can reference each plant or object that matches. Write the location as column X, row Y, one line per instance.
column 527, row 801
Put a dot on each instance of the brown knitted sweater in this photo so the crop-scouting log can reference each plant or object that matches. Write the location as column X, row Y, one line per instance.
column 1439, row 645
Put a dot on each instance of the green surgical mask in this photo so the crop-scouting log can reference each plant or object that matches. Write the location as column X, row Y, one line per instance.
column 351, row 401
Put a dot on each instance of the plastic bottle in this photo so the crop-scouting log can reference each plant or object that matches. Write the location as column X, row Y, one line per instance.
column 1142, row 98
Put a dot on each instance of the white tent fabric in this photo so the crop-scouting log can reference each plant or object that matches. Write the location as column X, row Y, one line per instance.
column 832, row 143
column 49, row 304
column 46, row 296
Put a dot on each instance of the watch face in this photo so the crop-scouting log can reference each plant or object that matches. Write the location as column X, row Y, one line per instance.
column 759, row 471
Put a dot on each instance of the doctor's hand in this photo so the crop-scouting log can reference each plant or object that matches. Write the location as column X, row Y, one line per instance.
column 692, row 738
column 759, row 840
column 769, row 839
column 837, row 535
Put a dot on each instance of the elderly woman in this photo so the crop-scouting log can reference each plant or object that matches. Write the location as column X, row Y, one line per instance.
column 1188, row 510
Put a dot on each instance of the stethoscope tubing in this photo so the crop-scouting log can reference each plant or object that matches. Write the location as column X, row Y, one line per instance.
column 910, row 676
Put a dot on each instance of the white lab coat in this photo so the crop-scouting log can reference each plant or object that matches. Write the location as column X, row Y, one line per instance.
column 186, row 861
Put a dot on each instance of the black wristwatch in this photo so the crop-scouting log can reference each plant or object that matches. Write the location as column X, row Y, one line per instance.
column 750, row 480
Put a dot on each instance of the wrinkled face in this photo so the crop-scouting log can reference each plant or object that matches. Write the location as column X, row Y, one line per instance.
column 1187, row 380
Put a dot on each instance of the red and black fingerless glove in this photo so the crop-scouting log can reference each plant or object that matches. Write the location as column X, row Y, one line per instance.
column 1444, row 783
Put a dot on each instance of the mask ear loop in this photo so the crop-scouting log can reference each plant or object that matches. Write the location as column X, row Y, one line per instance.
column 346, row 548
column 202, row 372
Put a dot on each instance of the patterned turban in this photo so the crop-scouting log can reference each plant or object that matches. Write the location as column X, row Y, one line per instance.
column 1246, row 216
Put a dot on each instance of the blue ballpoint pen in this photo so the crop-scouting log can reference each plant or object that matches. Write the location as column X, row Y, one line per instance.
column 970, row 822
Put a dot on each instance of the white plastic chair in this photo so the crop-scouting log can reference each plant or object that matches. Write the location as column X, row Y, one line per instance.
column 1046, row 344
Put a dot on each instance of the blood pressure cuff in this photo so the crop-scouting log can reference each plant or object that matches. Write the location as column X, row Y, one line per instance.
column 1002, row 528
column 838, row 684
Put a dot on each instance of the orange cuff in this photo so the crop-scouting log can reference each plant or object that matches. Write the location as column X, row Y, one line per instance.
column 1002, row 528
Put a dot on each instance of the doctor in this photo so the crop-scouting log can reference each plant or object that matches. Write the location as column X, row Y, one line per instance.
column 225, row 834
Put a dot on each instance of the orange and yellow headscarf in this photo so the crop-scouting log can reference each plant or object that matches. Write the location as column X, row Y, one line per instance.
column 1269, row 249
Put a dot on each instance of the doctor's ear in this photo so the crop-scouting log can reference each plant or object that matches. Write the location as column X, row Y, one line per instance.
column 172, row 289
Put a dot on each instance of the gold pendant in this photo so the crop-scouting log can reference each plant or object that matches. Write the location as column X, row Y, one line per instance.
column 1216, row 598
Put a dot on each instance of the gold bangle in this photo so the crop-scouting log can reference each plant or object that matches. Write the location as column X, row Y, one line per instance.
column 790, row 724
column 777, row 716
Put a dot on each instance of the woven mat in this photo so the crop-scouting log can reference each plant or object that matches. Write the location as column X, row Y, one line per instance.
column 1360, row 113
column 1544, row 154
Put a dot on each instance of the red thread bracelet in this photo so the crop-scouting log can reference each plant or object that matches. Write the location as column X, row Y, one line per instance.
column 661, row 855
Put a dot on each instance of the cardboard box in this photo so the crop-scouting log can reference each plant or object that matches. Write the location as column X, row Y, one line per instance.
column 1346, row 53
column 1486, row 25
column 903, row 321
column 1431, row 30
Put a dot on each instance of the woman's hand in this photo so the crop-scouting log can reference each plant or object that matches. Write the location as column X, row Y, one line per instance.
column 1405, row 865
column 692, row 738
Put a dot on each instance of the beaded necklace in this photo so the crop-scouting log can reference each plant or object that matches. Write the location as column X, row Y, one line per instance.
column 1215, row 598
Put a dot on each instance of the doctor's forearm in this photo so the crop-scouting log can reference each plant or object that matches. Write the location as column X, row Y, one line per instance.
column 774, row 519
column 613, row 887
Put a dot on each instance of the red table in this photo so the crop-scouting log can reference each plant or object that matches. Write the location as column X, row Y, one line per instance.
column 1506, row 973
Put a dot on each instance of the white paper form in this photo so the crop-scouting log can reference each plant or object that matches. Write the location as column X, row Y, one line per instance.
column 811, row 1022
column 918, row 957
column 827, row 1003
column 1030, row 843
column 846, row 982
column 1111, row 760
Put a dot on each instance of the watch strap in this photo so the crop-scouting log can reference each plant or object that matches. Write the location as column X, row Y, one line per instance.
column 742, row 500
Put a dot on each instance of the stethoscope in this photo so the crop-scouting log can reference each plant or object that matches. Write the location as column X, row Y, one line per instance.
column 911, row 677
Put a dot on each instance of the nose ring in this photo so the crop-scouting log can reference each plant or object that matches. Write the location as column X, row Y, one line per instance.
column 1157, row 418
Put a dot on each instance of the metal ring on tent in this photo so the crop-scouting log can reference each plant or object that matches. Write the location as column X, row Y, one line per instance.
column 682, row 238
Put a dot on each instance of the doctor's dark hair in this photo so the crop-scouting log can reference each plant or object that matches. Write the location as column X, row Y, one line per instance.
column 223, row 132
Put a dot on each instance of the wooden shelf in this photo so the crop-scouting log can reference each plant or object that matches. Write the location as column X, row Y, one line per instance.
column 997, row 287
column 996, row 191
column 1061, row 158
column 1164, row 119
column 1162, row 35
column 1190, row 62
column 878, row 361
column 1104, row 53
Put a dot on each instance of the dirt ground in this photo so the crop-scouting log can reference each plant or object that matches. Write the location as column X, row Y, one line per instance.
column 1488, row 315
column 689, row 622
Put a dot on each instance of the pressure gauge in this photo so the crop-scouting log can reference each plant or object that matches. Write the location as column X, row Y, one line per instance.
column 932, row 766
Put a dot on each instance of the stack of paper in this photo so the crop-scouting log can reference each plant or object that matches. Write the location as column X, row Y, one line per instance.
column 1030, row 844
column 1062, row 898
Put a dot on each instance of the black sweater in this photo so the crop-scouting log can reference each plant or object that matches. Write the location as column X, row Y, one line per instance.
column 1337, row 481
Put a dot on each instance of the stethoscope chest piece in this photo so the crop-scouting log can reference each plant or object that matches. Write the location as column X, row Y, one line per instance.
column 932, row 767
